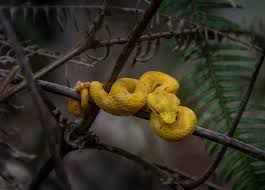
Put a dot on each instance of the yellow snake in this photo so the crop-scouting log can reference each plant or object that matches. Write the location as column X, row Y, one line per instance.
column 154, row 91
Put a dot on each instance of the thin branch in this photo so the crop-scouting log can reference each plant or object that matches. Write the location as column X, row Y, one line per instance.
column 42, row 52
column 38, row 102
column 201, row 132
column 41, row 175
column 233, row 128
column 8, row 78
column 186, row 175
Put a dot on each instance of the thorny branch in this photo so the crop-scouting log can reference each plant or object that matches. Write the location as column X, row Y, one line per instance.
column 39, row 104
column 233, row 127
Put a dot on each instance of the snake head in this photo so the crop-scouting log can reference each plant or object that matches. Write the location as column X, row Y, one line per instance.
column 164, row 105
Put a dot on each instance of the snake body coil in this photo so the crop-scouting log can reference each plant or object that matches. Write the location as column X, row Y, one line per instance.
column 153, row 91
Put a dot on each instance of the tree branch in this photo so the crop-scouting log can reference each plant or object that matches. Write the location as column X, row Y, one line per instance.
column 188, row 176
column 8, row 78
column 38, row 102
column 201, row 132
column 42, row 52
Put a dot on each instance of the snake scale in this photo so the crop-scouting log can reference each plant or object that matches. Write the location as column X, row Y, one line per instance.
column 154, row 91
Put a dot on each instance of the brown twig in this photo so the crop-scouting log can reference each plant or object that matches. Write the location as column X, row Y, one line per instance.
column 201, row 132
column 38, row 102
column 8, row 78
column 188, row 176
column 241, row 108
column 43, row 52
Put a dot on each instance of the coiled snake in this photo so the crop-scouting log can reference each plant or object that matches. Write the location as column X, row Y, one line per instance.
column 154, row 91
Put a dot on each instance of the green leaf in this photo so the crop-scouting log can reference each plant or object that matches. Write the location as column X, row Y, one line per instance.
column 231, row 68
column 220, row 22
column 205, row 101
column 232, row 58
column 252, row 121
column 215, row 5
column 230, row 88
column 232, row 78
column 209, row 112
column 231, row 98
column 227, row 171
column 206, row 87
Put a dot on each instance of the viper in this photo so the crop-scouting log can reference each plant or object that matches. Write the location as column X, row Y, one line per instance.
column 154, row 91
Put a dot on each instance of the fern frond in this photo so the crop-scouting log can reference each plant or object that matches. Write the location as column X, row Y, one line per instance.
column 218, row 83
